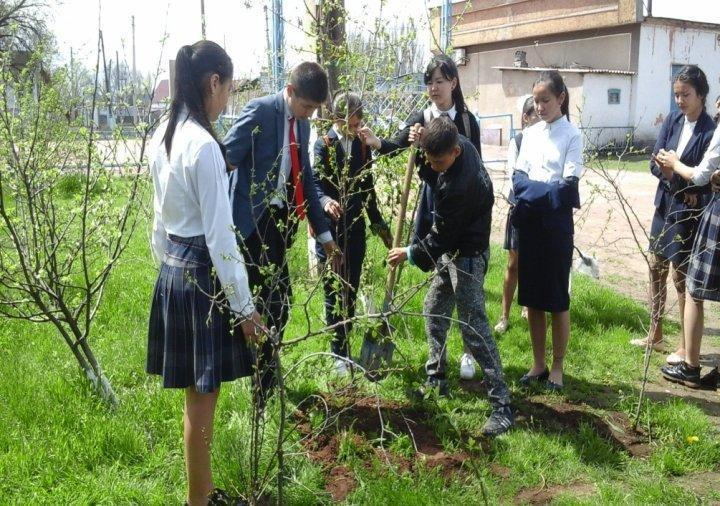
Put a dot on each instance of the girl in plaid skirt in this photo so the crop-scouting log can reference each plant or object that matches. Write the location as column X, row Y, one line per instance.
column 191, row 343
column 703, row 277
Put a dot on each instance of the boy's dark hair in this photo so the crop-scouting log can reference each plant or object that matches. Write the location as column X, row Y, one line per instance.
column 557, row 85
column 449, row 71
column 440, row 137
column 695, row 77
column 194, row 65
column 345, row 105
column 528, row 108
column 310, row 82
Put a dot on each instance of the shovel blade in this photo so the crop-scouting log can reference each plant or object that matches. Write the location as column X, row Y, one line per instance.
column 376, row 352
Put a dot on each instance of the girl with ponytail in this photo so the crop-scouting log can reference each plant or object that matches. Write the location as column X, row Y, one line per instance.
column 545, row 183
column 192, row 343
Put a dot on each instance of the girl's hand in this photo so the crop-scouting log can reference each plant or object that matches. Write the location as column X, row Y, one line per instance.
column 368, row 138
column 667, row 159
column 253, row 328
column 715, row 181
column 416, row 132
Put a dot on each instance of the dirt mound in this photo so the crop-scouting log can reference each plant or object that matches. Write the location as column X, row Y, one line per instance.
column 545, row 495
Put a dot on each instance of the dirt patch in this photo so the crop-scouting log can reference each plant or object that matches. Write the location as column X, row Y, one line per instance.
column 545, row 495
column 702, row 484
column 612, row 425
column 372, row 424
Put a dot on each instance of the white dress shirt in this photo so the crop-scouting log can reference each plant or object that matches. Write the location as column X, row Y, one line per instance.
column 685, row 135
column 436, row 112
column 280, row 195
column 710, row 162
column 345, row 141
column 550, row 152
column 191, row 199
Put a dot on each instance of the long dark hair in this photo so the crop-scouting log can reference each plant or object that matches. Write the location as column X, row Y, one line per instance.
column 449, row 70
column 557, row 86
column 695, row 77
column 193, row 67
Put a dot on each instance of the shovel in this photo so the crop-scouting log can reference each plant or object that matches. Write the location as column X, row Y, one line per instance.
column 587, row 265
column 377, row 347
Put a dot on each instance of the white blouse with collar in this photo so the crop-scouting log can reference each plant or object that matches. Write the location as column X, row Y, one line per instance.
column 191, row 198
column 551, row 152
column 710, row 162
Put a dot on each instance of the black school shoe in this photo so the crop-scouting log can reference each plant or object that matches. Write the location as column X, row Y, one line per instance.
column 499, row 422
column 683, row 374
column 710, row 380
column 528, row 379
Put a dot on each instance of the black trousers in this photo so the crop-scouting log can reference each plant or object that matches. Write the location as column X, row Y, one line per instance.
column 340, row 296
column 269, row 276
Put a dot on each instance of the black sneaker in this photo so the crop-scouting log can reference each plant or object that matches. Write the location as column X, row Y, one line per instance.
column 499, row 422
column 432, row 386
column 683, row 374
column 710, row 380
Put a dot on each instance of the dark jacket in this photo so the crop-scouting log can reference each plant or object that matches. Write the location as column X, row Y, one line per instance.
column 353, row 189
column 669, row 197
column 254, row 145
column 463, row 199
column 399, row 142
column 547, row 204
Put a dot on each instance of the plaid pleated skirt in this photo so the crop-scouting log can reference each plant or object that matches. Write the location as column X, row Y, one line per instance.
column 511, row 233
column 190, row 340
column 703, row 277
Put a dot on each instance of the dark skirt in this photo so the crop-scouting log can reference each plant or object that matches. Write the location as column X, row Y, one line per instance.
column 673, row 230
column 703, row 277
column 511, row 234
column 545, row 246
column 190, row 341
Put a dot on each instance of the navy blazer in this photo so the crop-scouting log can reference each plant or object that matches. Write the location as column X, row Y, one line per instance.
column 674, row 190
column 356, row 186
column 254, row 145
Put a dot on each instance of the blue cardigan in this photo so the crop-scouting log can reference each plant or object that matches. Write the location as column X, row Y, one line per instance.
column 670, row 194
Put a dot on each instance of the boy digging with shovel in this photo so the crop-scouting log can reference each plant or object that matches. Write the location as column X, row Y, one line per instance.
column 457, row 246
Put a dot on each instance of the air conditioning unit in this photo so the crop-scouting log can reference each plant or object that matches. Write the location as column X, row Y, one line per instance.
column 459, row 56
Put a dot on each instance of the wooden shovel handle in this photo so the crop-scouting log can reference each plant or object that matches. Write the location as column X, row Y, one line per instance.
column 397, row 238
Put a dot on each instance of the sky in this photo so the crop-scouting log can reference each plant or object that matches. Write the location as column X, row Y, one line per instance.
column 239, row 26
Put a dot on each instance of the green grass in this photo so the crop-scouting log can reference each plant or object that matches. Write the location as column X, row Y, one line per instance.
column 60, row 445
column 630, row 163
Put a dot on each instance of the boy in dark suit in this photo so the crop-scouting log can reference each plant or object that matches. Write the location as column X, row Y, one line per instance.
column 272, row 189
column 457, row 246
column 345, row 186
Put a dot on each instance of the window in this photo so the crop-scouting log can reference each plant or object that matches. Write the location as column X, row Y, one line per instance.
column 613, row 96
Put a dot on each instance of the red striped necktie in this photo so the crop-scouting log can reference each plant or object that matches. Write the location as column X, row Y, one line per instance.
column 298, row 193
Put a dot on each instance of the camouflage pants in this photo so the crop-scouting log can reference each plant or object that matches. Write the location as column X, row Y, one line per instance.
column 459, row 282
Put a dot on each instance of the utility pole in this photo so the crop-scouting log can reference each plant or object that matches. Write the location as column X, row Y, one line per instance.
column 445, row 25
column 276, row 44
column 133, row 49
column 202, row 18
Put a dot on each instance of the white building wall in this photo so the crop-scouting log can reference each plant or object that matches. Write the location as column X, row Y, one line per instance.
column 602, row 122
column 661, row 45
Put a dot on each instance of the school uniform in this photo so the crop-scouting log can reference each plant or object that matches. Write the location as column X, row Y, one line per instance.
column 466, row 124
column 353, row 188
column 457, row 246
column 271, row 190
column 703, row 276
column 511, row 241
column 545, row 184
column 190, row 342
column 674, row 222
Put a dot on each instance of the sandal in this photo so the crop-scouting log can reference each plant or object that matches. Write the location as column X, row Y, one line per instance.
column 642, row 343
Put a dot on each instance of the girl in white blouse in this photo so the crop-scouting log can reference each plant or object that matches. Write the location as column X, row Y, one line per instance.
column 703, row 276
column 191, row 342
column 545, row 184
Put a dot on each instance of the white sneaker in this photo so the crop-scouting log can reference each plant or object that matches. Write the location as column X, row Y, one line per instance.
column 501, row 326
column 342, row 367
column 467, row 367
